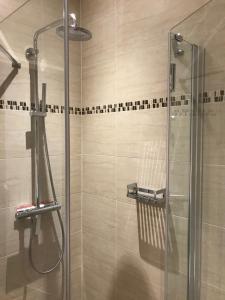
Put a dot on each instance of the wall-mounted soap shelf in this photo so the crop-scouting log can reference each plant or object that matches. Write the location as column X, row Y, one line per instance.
column 31, row 212
column 155, row 197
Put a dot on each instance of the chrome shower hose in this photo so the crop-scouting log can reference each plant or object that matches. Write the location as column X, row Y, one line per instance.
column 32, row 236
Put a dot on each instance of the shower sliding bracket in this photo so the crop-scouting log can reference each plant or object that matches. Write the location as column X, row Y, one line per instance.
column 41, row 111
column 150, row 196
column 38, row 114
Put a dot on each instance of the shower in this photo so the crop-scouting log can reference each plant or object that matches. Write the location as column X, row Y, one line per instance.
column 39, row 144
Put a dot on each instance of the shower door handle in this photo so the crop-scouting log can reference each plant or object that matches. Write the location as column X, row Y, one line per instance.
column 44, row 86
column 172, row 77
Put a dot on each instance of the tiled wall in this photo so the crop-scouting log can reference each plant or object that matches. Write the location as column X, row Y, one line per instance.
column 126, row 61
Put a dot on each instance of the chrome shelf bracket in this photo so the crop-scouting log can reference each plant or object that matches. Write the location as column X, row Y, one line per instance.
column 150, row 196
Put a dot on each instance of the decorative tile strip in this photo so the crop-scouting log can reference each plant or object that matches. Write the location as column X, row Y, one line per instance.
column 125, row 106
column 135, row 105
column 50, row 108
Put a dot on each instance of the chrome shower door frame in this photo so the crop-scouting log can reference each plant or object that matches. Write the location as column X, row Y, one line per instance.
column 67, row 150
column 195, row 205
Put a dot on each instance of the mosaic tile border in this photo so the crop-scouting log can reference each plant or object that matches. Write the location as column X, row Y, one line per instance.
column 22, row 106
column 177, row 100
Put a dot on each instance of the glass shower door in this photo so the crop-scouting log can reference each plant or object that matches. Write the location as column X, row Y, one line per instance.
column 183, row 173
column 203, row 253
column 32, row 246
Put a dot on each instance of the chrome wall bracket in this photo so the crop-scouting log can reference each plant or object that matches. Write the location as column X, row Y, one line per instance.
column 150, row 196
column 177, row 40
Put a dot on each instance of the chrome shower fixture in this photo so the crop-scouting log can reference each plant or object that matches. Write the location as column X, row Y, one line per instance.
column 178, row 39
column 38, row 131
column 76, row 33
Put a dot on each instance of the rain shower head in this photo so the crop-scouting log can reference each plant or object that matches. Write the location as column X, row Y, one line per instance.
column 77, row 33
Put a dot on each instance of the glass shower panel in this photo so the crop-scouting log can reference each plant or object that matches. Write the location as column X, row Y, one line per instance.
column 204, row 28
column 31, row 246
column 179, row 167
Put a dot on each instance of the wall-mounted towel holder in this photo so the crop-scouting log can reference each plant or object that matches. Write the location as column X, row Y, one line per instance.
column 155, row 197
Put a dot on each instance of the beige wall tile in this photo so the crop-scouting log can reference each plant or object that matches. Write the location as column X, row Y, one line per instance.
column 141, row 134
column 209, row 292
column 213, row 138
column 98, row 255
column 99, row 216
column 134, row 73
column 75, row 213
column 9, row 7
column 98, row 63
column 213, row 257
column 75, row 135
column 131, row 11
column 76, row 255
column 98, row 84
column 213, row 194
column 76, row 284
column 75, row 174
column 98, row 134
column 94, row 9
column 13, row 134
column 130, row 269
column 98, row 288
column 15, row 186
column 99, row 175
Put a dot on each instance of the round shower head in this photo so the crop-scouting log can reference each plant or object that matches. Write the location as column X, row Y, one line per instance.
column 75, row 33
